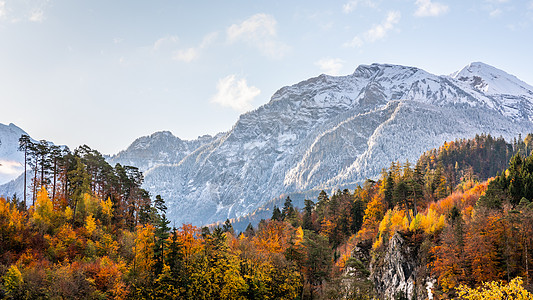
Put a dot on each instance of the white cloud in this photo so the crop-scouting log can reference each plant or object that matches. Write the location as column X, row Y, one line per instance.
column 15, row 11
column 186, row 55
column 9, row 170
column 377, row 32
column 208, row 40
column 350, row 6
column 192, row 53
column 37, row 16
column 165, row 40
column 426, row 8
column 495, row 13
column 235, row 94
column 10, row 167
column 356, row 42
column 330, row 66
column 259, row 31
column 3, row 11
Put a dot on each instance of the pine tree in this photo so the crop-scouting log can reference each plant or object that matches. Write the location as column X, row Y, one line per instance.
column 227, row 227
column 79, row 182
column 287, row 212
column 389, row 190
column 307, row 217
column 25, row 145
column 276, row 214
column 250, row 231
column 161, row 234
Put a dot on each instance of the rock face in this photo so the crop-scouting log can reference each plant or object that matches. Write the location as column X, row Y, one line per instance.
column 400, row 272
column 326, row 133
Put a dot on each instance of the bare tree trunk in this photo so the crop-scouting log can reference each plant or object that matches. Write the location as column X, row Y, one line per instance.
column 34, row 185
column 55, row 176
column 25, row 168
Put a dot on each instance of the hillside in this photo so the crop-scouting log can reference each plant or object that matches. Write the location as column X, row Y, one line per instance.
column 413, row 233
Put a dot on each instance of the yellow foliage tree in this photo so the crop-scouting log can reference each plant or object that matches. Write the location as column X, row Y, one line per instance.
column 12, row 282
column 63, row 244
column 393, row 221
column 107, row 210
column 90, row 224
column 144, row 250
column 495, row 291
column 43, row 215
column 429, row 222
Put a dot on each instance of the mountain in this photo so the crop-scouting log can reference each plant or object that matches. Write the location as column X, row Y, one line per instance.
column 160, row 148
column 11, row 160
column 325, row 133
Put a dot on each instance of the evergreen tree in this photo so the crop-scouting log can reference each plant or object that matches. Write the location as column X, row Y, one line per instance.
column 161, row 234
column 276, row 214
column 79, row 182
column 389, row 190
column 25, row 144
column 227, row 227
column 250, row 231
column 358, row 213
column 55, row 156
column 287, row 213
column 307, row 217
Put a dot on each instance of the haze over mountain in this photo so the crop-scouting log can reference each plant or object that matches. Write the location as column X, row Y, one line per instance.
column 323, row 133
column 11, row 160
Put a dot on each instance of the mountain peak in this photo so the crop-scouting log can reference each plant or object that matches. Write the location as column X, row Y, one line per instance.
column 164, row 133
column 491, row 80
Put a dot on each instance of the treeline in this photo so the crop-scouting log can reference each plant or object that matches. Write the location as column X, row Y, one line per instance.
column 100, row 235
column 71, row 175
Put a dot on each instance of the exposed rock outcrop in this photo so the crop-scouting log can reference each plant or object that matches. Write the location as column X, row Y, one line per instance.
column 400, row 272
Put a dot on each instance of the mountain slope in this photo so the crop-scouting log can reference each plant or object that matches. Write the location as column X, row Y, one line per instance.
column 329, row 132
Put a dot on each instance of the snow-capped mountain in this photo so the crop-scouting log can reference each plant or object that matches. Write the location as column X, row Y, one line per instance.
column 327, row 132
column 160, row 148
column 11, row 160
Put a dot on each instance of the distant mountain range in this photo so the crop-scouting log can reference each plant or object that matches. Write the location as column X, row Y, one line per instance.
column 326, row 133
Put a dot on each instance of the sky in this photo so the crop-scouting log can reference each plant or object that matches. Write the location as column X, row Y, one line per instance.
column 104, row 73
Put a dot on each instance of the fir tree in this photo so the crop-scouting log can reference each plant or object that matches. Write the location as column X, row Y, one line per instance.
column 276, row 214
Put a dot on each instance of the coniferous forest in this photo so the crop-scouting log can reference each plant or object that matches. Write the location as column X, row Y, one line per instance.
column 87, row 230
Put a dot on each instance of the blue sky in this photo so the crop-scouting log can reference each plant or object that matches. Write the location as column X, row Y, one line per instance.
column 103, row 73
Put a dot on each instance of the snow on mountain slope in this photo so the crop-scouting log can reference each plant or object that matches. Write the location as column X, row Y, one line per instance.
column 492, row 81
column 11, row 160
column 509, row 95
column 329, row 132
column 157, row 149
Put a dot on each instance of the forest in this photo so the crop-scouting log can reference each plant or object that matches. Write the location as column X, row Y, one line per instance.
column 88, row 230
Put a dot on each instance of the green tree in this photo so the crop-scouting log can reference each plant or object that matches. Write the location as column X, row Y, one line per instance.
column 288, row 212
column 276, row 214
column 79, row 182
column 307, row 220
column 25, row 144
column 161, row 235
